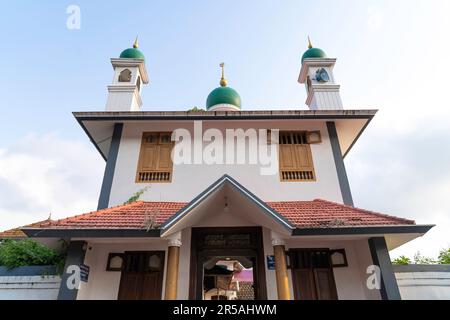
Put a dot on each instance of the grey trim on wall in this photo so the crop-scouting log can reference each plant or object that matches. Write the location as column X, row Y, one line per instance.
column 75, row 256
column 91, row 233
column 103, row 201
column 411, row 268
column 25, row 271
column 368, row 230
column 380, row 257
column 339, row 162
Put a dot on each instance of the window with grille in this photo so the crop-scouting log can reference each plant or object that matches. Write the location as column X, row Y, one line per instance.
column 295, row 157
column 155, row 162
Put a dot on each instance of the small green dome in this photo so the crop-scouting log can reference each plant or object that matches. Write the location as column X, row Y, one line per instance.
column 314, row 53
column 132, row 53
column 223, row 95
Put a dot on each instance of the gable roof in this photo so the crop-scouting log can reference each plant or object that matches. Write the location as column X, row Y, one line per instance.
column 319, row 216
column 223, row 180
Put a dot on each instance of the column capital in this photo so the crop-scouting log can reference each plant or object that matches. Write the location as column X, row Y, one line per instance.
column 278, row 242
column 277, row 239
column 175, row 239
column 175, row 243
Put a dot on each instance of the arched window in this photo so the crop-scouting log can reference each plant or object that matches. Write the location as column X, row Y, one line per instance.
column 125, row 76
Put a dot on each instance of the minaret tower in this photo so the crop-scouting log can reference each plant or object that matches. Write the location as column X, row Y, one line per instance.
column 124, row 94
column 317, row 75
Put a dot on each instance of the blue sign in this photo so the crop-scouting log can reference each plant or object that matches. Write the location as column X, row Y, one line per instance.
column 84, row 273
column 271, row 262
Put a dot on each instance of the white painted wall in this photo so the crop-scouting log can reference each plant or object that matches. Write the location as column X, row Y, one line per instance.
column 350, row 281
column 124, row 96
column 102, row 284
column 326, row 99
column 29, row 287
column 190, row 180
column 424, row 285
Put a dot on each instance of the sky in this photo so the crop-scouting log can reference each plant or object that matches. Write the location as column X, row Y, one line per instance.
column 392, row 56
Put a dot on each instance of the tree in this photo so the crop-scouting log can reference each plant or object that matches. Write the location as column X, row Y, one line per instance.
column 402, row 260
column 419, row 259
column 444, row 256
column 27, row 252
column 196, row 109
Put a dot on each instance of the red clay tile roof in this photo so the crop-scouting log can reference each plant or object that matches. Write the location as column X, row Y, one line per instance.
column 17, row 233
column 302, row 214
column 325, row 214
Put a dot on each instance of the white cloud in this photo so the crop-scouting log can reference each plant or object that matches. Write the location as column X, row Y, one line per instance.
column 42, row 174
column 405, row 174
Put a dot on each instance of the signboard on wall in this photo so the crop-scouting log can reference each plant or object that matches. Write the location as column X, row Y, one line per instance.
column 271, row 262
column 84, row 273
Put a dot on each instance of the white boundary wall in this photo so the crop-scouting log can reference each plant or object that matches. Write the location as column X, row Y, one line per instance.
column 29, row 287
column 423, row 282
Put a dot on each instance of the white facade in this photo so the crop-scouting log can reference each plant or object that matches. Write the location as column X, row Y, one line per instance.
column 191, row 179
column 104, row 285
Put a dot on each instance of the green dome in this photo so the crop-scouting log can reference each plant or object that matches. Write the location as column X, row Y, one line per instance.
column 132, row 53
column 314, row 53
column 223, row 95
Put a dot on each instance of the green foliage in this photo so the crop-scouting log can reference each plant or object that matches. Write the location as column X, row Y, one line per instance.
column 444, row 256
column 28, row 253
column 402, row 260
column 135, row 197
column 419, row 259
column 196, row 109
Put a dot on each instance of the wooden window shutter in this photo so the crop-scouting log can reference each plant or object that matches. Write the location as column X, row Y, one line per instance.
column 155, row 162
column 295, row 157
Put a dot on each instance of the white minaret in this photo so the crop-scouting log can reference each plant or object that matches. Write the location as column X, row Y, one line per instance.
column 124, row 94
column 317, row 75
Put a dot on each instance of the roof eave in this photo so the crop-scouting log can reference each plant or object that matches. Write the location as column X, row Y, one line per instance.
column 123, row 116
column 90, row 233
column 363, row 230
column 223, row 115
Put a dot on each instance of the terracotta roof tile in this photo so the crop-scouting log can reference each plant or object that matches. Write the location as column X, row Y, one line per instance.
column 303, row 214
column 325, row 214
column 16, row 233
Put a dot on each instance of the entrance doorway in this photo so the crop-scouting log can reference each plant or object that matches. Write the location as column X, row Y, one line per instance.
column 227, row 264
column 142, row 276
column 312, row 274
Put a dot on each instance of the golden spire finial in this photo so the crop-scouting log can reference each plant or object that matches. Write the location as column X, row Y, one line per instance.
column 223, row 81
column 309, row 43
column 136, row 44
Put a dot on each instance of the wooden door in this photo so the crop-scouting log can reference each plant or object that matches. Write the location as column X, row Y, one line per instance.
column 142, row 276
column 312, row 274
column 304, row 284
column 325, row 285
